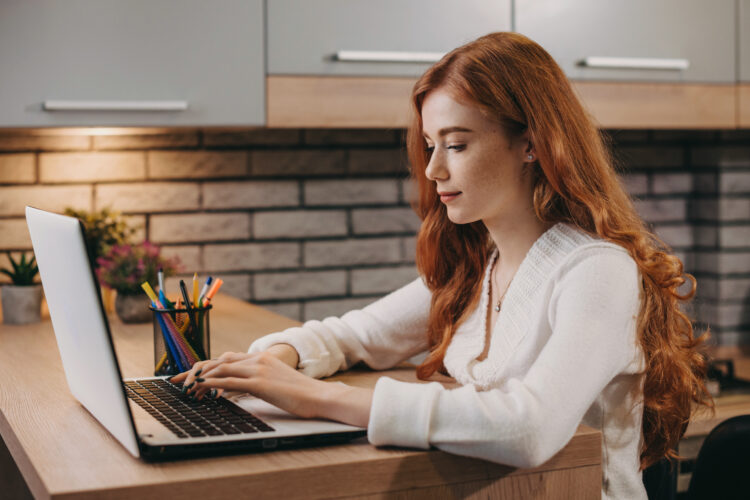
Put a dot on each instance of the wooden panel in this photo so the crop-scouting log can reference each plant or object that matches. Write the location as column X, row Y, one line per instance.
column 659, row 105
column 384, row 102
column 743, row 105
column 555, row 485
column 357, row 102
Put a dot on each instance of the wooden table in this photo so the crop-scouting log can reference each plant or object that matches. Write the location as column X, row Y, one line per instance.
column 61, row 451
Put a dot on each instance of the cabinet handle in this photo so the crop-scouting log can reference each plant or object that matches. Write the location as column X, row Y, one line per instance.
column 635, row 63
column 115, row 105
column 387, row 56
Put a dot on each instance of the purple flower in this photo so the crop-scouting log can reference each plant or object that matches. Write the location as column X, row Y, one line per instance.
column 125, row 267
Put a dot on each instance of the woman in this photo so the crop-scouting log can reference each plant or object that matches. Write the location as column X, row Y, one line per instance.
column 541, row 290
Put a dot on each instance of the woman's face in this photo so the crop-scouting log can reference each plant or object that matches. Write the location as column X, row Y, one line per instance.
column 477, row 170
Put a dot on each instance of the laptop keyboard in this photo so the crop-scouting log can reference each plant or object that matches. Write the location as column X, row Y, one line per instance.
column 185, row 418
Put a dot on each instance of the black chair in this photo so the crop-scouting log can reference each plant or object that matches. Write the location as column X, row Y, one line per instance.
column 722, row 469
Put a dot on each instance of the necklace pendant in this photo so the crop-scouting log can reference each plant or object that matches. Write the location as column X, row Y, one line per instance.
column 497, row 307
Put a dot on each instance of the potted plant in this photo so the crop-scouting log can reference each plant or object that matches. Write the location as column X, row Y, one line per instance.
column 124, row 267
column 22, row 300
column 102, row 229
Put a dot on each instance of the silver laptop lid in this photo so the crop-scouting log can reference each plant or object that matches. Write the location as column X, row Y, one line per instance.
column 81, row 328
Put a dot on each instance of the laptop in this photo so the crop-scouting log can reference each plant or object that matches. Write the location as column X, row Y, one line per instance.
column 149, row 416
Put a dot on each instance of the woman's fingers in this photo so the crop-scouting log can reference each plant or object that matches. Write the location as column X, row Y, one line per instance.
column 194, row 373
column 201, row 368
column 188, row 376
column 263, row 376
column 267, row 378
column 219, row 369
column 209, row 370
column 245, row 369
column 260, row 374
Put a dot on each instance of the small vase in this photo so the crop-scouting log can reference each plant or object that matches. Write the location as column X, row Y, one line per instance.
column 108, row 299
column 21, row 304
column 133, row 308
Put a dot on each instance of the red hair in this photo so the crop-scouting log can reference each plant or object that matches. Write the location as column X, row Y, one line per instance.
column 517, row 83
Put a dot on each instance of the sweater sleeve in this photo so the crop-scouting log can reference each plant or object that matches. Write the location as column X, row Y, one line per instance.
column 383, row 334
column 592, row 311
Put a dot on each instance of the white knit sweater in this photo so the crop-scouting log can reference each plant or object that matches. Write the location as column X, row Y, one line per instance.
column 563, row 352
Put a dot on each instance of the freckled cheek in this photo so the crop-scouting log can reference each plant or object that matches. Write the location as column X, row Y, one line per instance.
column 486, row 176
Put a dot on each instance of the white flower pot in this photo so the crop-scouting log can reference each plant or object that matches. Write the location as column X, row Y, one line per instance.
column 21, row 304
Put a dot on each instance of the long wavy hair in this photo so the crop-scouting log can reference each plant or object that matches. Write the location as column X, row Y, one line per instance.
column 517, row 83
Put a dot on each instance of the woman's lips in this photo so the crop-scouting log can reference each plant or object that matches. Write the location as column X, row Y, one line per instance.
column 447, row 196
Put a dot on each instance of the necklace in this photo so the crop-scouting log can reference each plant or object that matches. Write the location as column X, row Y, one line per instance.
column 500, row 300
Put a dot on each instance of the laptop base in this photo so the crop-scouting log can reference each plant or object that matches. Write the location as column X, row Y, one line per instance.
column 178, row 451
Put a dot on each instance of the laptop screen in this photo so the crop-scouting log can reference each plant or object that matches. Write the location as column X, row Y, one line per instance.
column 79, row 321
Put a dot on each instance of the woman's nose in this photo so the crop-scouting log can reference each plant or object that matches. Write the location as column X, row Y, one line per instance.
column 436, row 168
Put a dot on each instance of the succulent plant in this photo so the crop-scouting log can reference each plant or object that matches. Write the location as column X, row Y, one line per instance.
column 22, row 272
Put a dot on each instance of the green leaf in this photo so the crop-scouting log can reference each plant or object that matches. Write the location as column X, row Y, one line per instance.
column 13, row 263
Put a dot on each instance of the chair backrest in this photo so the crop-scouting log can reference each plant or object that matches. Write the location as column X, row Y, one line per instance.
column 722, row 469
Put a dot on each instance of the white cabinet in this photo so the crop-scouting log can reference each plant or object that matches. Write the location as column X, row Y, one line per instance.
column 635, row 40
column 375, row 38
column 134, row 62
column 744, row 41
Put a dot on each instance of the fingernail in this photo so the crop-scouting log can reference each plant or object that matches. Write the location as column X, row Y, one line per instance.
column 183, row 390
column 214, row 393
column 198, row 372
column 200, row 379
column 191, row 384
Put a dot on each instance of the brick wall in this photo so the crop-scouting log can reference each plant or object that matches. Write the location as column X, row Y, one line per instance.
column 315, row 222
column 694, row 188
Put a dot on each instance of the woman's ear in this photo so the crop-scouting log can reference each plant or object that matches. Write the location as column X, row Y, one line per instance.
column 529, row 151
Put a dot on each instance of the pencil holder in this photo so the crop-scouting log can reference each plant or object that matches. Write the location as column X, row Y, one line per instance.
column 181, row 337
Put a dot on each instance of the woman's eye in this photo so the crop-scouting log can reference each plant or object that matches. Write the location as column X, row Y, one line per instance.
column 429, row 149
column 457, row 147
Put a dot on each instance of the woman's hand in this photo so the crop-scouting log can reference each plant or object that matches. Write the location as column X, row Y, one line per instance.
column 266, row 376
column 284, row 352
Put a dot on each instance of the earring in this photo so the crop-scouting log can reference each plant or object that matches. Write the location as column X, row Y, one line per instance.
column 530, row 157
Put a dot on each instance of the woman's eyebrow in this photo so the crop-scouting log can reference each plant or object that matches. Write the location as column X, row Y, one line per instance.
column 447, row 130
